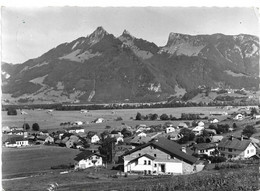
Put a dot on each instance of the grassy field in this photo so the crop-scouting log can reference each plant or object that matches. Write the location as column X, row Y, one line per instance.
column 52, row 121
column 34, row 158
column 228, row 179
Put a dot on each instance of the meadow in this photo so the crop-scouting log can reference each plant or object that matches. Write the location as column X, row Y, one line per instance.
column 31, row 159
column 51, row 121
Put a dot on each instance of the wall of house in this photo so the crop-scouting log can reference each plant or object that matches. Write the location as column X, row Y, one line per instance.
column 250, row 151
column 22, row 143
column 172, row 165
column 206, row 151
column 86, row 163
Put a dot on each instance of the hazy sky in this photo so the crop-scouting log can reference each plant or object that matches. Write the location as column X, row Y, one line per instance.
column 29, row 32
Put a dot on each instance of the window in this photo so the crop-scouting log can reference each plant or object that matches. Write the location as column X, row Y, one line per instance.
column 201, row 151
column 247, row 151
column 168, row 157
column 154, row 155
column 229, row 156
column 139, row 154
column 144, row 162
column 155, row 165
column 149, row 162
column 229, row 150
column 149, row 172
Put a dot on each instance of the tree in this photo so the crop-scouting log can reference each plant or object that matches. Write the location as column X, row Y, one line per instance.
column 164, row 117
column 248, row 131
column 26, row 126
column 35, row 127
column 138, row 116
column 234, row 125
column 187, row 135
column 154, row 117
column 253, row 111
column 11, row 111
column 126, row 132
column 91, row 134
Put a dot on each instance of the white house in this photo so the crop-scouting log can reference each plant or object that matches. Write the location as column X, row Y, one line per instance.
column 160, row 156
column 142, row 134
column 236, row 148
column 198, row 130
column 201, row 124
column 94, row 139
column 214, row 120
column 170, row 129
column 119, row 137
column 88, row 159
column 77, row 123
column 239, row 117
column 99, row 120
column 76, row 130
column 205, row 148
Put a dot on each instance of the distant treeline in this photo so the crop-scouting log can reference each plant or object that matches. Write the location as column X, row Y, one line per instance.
column 63, row 107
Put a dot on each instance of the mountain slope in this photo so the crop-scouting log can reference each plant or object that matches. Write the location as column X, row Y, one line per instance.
column 103, row 68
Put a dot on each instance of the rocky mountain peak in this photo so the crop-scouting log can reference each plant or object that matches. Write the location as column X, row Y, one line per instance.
column 98, row 34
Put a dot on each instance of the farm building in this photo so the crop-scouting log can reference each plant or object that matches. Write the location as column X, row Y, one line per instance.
column 119, row 137
column 99, row 120
column 236, row 148
column 142, row 134
column 76, row 130
column 213, row 120
column 17, row 141
column 94, row 139
column 174, row 136
column 88, row 159
column 170, row 129
column 239, row 117
column 77, row 123
column 160, row 156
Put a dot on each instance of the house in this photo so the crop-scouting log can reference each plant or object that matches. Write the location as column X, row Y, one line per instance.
column 239, row 117
column 17, row 141
column 99, row 120
column 119, row 137
column 213, row 120
column 76, row 130
column 198, row 130
column 205, row 148
column 142, row 127
column 182, row 125
column 211, row 131
column 142, row 134
column 256, row 116
column 77, row 123
column 174, row 136
column 216, row 138
column 170, row 129
column 201, row 124
column 88, row 159
column 236, row 148
column 160, row 156
column 6, row 129
column 94, row 139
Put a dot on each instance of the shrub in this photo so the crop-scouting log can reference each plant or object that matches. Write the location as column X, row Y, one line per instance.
column 119, row 119
column 248, row 131
column 11, row 111
column 35, row 127
column 138, row 116
column 164, row 117
column 26, row 126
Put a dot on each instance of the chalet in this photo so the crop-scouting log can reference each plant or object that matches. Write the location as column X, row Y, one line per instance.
column 17, row 141
column 205, row 148
column 88, row 159
column 160, row 156
column 236, row 148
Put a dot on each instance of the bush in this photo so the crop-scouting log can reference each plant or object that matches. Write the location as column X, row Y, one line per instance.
column 26, row 126
column 248, row 131
column 164, row 117
column 11, row 111
column 138, row 116
column 119, row 119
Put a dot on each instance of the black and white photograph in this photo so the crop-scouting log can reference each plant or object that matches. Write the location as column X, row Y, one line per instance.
column 136, row 98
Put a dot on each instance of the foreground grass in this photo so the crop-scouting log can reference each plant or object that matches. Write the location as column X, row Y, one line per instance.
column 228, row 180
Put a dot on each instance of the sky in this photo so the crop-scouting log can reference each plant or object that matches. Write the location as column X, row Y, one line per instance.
column 29, row 32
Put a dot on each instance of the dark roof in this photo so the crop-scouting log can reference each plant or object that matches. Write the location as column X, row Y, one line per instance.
column 203, row 146
column 235, row 143
column 84, row 155
column 14, row 139
column 145, row 155
column 169, row 147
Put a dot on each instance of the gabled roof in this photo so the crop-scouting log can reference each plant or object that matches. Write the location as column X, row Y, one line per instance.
column 168, row 147
column 145, row 155
column 235, row 143
column 85, row 154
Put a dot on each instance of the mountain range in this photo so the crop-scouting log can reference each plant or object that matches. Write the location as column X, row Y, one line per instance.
column 102, row 68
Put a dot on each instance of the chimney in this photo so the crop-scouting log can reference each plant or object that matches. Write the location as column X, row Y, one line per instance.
column 183, row 149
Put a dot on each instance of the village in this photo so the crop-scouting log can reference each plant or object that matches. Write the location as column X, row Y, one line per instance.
column 163, row 149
